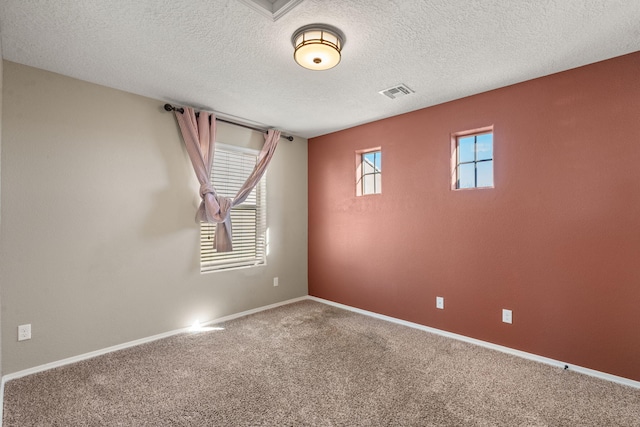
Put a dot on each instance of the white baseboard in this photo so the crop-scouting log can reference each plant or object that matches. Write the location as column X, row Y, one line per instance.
column 523, row 354
column 508, row 350
column 134, row 343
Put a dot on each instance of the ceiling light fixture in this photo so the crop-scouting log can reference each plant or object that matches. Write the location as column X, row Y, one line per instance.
column 317, row 46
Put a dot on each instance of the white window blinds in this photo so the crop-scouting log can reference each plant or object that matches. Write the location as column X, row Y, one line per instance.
column 231, row 167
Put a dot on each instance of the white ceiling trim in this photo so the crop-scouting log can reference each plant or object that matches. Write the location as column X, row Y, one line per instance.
column 274, row 9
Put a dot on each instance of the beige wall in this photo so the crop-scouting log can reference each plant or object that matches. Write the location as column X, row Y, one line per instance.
column 1, row 68
column 98, row 243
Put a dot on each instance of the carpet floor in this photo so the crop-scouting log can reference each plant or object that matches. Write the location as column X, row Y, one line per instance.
column 310, row 364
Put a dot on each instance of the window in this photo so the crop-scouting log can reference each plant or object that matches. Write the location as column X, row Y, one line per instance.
column 369, row 172
column 473, row 164
column 231, row 167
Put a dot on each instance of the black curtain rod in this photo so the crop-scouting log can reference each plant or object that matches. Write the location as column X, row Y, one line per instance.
column 170, row 107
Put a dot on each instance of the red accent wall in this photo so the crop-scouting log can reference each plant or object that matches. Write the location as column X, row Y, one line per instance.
column 557, row 240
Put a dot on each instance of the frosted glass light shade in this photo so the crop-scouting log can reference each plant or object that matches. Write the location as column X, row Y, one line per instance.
column 317, row 46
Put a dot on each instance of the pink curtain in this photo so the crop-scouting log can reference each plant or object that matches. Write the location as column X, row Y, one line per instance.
column 199, row 135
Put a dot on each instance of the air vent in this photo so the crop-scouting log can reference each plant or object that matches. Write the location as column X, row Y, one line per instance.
column 396, row 91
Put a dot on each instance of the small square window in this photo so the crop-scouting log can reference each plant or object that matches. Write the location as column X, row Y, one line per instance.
column 369, row 172
column 472, row 161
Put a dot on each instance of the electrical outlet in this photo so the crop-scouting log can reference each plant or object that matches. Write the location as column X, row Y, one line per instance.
column 24, row 332
column 275, row 281
column 440, row 303
column 507, row 316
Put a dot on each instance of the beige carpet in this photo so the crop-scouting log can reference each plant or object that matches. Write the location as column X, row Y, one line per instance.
column 309, row 364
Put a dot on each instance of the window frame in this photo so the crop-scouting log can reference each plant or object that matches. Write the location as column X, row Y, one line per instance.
column 455, row 137
column 361, row 174
column 211, row 261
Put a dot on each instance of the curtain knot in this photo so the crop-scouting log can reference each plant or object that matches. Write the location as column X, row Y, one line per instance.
column 225, row 204
column 206, row 188
column 214, row 207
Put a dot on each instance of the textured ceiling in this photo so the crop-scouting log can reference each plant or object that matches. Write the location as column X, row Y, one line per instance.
column 224, row 56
